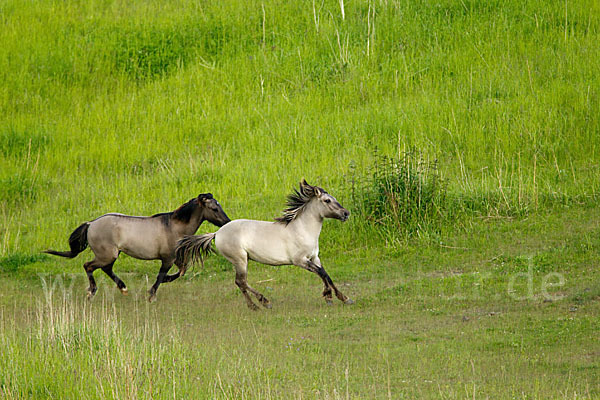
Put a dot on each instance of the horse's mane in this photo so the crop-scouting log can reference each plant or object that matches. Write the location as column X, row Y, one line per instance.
column 296, row 202
column 183, row 213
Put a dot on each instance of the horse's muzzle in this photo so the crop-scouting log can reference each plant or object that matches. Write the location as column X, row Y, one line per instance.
column 345, row 215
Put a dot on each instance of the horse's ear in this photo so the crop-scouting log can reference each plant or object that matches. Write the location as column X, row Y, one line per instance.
column 318, row 191
column 205, row 196
column 304, row 183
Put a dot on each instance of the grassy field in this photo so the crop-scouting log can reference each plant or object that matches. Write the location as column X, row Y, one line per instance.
column 464, row 136
column 508, row 310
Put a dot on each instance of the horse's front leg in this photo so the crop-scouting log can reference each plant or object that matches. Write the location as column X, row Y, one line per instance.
column 316, row 267
column 162, row 273
column 172, row 277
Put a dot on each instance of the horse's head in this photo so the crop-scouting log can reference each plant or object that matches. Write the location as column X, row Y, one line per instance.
column 327, row 205
column 212, row 210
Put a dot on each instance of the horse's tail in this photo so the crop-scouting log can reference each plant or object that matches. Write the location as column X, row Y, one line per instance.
column 193, row 248
column 77, row 242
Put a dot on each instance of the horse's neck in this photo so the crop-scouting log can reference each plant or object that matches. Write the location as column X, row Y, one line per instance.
column 195, row 221
column 309, row 223
column 192, row 225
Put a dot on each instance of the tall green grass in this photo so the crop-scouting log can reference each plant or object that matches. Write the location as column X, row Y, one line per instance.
column 137, row 107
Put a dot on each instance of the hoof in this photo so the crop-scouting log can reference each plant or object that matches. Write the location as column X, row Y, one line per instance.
column 329, row 302
column 152, row 295
column 124, row 291
column 268, row 305
column 90, row 295
column 348, row 302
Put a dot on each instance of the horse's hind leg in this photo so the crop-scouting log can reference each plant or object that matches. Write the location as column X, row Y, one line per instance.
column 89, row 268
column 241, row 280
column 93, row 265
column 263, row 300
column 108, row 270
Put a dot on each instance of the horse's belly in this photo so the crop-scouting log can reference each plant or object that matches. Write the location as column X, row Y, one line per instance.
column 271, row 252
column 139, row 244
column 140, row 252
column 269, row 257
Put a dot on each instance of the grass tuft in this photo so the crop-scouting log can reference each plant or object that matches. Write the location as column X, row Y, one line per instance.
column 402, row 196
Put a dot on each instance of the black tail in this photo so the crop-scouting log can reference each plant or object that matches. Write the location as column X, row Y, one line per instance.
column 193, row 248
column 77, row 242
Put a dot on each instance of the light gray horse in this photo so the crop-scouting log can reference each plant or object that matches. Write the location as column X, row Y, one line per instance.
column 291, row 239
column 144, row 238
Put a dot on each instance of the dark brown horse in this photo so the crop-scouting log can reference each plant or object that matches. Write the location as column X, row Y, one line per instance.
column 144, row 238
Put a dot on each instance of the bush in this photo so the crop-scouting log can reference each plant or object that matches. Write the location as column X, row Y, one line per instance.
column 405, row 196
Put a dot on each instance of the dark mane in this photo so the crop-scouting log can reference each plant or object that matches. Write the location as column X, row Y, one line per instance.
column 183, row 213
column 296, row 202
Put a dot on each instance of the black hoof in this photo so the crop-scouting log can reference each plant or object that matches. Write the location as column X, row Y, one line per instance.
column 349, row 302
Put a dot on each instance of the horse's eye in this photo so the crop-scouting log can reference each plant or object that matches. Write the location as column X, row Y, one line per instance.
column 327, row 201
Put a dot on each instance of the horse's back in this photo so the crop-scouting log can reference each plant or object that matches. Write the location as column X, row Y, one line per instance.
column 248, row 228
